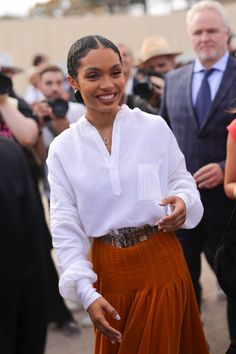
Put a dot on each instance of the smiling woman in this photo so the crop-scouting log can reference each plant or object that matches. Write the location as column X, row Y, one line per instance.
column 100, row 82
column 111, row 185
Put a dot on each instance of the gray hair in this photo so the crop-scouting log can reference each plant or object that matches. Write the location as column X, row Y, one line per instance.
column 208, row 5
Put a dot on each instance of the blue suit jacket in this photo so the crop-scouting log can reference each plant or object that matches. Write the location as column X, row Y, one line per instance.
column 208, row 143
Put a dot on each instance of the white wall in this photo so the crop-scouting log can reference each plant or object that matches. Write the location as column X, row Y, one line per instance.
column 24, row 38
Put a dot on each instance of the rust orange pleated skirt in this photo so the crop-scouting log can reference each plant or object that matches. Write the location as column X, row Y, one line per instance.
column 150, row 287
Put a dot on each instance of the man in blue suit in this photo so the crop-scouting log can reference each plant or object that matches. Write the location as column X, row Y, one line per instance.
column 202, row 136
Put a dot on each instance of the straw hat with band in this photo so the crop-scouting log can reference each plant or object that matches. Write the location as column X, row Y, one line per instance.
column 155, row 46
column 6, row 64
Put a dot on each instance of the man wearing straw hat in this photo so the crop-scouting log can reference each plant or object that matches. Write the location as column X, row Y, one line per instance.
column 156, row 59
column 156, row 55
column 7, row 66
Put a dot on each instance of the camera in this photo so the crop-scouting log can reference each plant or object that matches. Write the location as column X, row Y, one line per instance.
column 59, row 108
column 143, row 87
column 5, row 84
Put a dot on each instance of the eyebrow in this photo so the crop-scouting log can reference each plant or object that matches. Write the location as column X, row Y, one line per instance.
column 98, row 69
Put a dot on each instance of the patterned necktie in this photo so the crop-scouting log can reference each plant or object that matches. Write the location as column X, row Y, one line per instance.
column 203, row 102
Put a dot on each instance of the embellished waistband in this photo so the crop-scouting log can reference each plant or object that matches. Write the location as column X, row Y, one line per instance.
column 128, row 236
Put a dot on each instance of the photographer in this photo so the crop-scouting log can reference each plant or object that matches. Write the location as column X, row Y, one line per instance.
column 17, row 121
column 156, row 60
column 13, row 124
column 54, row 112
column 10, row 70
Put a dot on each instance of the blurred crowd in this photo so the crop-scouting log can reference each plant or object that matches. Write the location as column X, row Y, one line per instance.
column 160, row 81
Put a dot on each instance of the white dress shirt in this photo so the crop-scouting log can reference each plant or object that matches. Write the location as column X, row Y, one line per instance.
column 32, row 94
column 214, row 79
column 93, row 192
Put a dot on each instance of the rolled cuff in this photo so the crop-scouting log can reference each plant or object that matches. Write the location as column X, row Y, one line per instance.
column 76, row 283
column 86, row 293
column 194, row 211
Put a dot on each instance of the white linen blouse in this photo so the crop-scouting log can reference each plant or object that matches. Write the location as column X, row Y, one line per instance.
column 93, row 191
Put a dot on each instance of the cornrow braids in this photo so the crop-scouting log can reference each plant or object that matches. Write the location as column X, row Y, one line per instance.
column 82, row 47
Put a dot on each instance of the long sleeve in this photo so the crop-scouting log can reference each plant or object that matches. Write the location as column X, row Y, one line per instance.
column 69, row 240
column 182, row 184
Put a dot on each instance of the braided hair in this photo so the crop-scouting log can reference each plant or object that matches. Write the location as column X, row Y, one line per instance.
column 81, row 48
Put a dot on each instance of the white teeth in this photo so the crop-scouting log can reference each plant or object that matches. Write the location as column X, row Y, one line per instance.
column 107, row 97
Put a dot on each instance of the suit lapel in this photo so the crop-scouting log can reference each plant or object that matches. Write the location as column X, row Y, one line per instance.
column 228, row 78
column 188, row 95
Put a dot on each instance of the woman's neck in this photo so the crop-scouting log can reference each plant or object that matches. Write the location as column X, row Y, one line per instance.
column 101, row 120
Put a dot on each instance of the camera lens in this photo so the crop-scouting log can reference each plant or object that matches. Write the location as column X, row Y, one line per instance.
column 5, row 84
column 143, row 89
column 59, row 107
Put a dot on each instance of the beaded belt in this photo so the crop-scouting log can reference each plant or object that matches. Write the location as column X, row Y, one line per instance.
column 128, row 236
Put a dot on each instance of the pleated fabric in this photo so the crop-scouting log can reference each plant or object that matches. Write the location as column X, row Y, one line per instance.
column 150, row 287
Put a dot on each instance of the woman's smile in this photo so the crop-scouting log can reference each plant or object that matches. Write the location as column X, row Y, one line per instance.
column 107, row 98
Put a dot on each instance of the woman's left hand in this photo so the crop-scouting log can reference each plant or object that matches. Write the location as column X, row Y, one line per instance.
column 176, row 218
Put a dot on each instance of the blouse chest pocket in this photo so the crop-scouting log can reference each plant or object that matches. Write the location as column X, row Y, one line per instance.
column 148, row 182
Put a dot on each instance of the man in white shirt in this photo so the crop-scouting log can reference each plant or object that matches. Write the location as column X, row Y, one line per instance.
column 53, row 112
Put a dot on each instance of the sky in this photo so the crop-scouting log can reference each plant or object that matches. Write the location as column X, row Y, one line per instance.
column 17, row 7
column 21, row 7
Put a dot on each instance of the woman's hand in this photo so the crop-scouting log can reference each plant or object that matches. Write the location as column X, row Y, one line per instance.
column 41, row 110
column 97, row 312
column 176, row 218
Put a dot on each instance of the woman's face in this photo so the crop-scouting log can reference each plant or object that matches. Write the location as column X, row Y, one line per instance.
column 101, row 81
